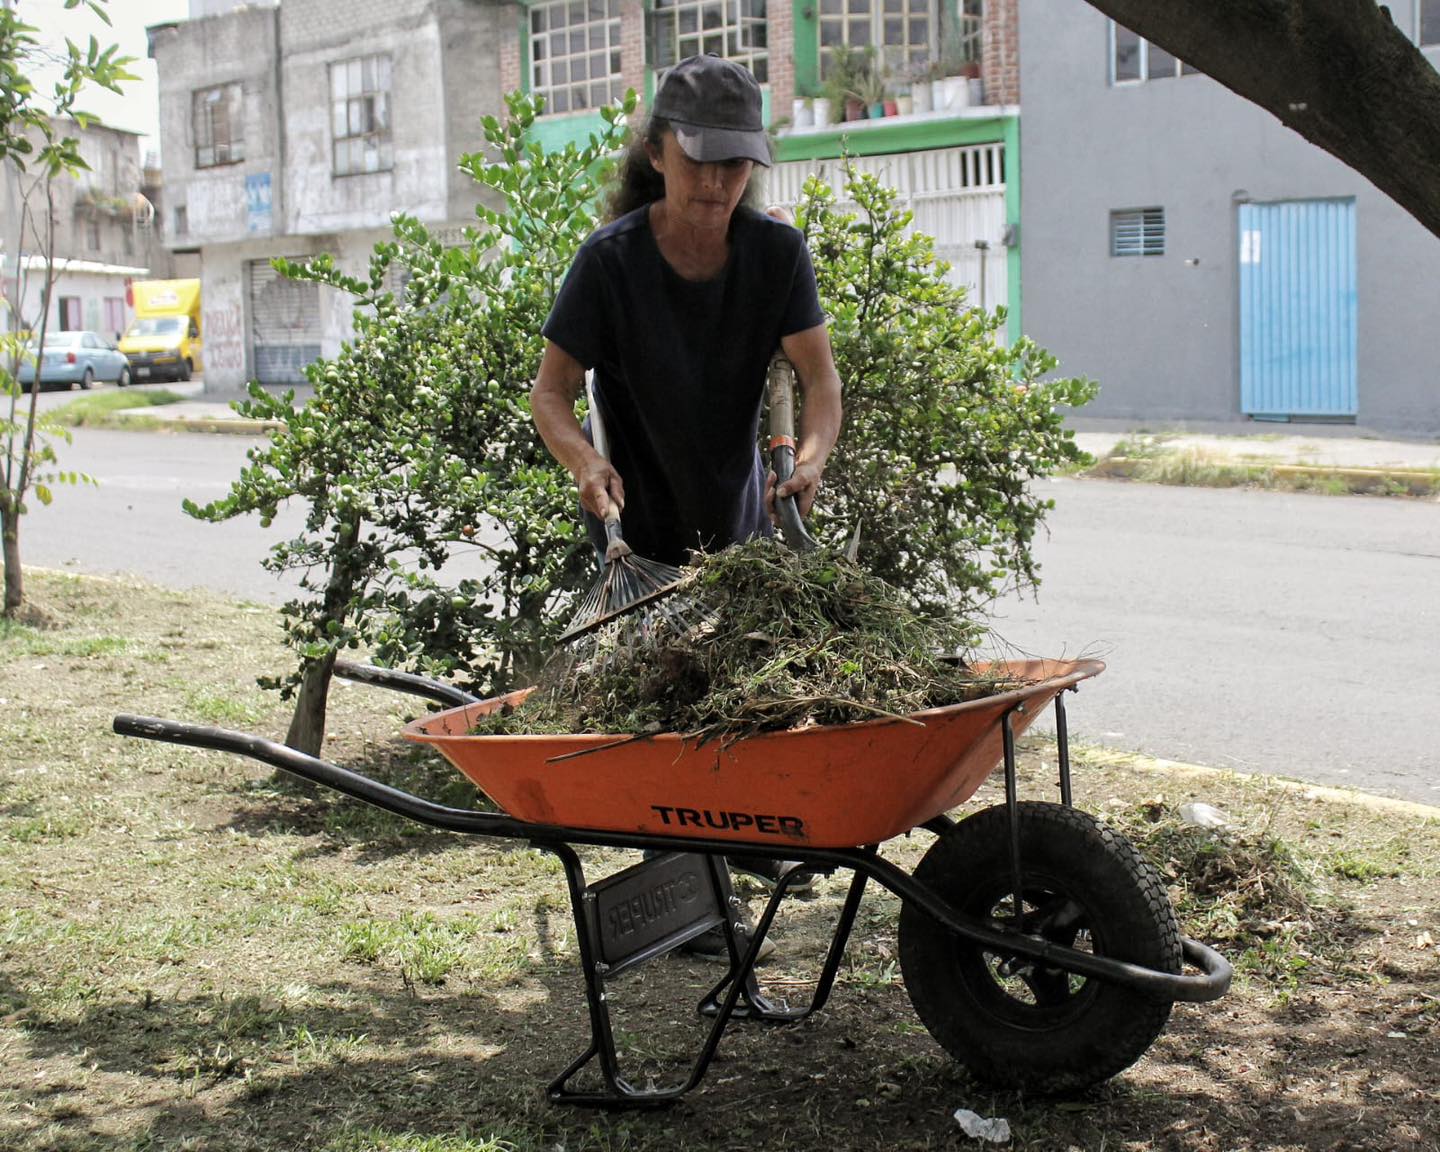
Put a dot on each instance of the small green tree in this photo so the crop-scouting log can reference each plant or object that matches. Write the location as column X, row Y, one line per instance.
column 945, row 427
column 34, row 153
column 417, row 452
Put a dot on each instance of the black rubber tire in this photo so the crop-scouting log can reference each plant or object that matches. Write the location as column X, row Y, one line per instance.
column 87, row 379
column 185, row 369
column 123, row 381
column 1042, row 1031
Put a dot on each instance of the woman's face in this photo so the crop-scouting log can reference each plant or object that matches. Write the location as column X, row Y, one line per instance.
column 701, row 195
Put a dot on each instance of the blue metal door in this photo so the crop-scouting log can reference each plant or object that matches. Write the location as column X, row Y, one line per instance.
column 1297, row 309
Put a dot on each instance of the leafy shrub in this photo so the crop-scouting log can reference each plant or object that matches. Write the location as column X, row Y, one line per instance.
column 945, row 427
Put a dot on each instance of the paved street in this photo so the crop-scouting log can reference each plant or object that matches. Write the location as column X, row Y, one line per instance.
column 1268, row 632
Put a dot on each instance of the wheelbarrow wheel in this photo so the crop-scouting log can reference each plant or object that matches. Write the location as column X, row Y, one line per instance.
column 1015, row 1023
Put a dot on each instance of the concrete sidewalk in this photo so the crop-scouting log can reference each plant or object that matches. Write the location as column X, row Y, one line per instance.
column 1325, row 447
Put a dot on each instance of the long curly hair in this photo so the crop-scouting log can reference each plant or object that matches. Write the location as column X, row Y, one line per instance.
column 636, row 183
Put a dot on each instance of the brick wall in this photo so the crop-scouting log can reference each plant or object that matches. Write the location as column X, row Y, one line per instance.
column 1000, row 39
column 509, row 22
column 782, row 58
column 632, row 46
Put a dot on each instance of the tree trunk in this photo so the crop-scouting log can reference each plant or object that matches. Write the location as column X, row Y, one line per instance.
column 307, row 725
column 10, row 542
column 1338, row 72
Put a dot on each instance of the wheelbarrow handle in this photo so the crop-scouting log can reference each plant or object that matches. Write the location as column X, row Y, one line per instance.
column 780, row 382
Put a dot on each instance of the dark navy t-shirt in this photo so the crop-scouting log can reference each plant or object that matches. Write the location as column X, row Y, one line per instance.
column 679, row 372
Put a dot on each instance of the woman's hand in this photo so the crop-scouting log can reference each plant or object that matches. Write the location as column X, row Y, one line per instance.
column 600, row 486
column 804, row 485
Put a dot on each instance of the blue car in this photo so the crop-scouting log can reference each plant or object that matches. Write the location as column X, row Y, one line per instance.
column 72, row 358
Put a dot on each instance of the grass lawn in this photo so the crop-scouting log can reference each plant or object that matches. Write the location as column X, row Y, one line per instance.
column 194, row 956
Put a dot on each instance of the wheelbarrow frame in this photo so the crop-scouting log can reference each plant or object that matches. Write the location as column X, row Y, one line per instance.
column 736, row 995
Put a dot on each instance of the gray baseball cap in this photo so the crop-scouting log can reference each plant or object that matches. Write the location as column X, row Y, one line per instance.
column 714, row 107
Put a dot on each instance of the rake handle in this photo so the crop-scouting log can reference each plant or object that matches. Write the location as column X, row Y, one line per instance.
column 780, row 382
column 615, row 545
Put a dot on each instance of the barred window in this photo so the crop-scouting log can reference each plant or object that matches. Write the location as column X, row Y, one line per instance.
column 575, row 54
column 360, row 115
column 219, row 127
column 1137, row 232
column 735, row 29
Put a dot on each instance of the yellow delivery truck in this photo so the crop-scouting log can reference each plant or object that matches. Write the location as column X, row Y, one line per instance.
column 164, row 341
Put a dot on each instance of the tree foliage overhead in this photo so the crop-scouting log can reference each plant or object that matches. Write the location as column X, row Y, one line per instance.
column 1338, row 72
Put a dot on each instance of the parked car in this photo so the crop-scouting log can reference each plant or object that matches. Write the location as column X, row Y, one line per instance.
column 72, row 358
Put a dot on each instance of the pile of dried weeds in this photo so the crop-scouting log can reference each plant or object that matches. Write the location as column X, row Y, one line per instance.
column 1243, row 886
column 766, row 639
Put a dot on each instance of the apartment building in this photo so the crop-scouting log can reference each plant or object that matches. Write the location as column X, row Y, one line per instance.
column 105, row 232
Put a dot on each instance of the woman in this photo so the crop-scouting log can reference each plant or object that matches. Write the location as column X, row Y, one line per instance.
column 678, row 303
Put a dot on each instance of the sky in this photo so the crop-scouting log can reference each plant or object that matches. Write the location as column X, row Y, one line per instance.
column 138, row 108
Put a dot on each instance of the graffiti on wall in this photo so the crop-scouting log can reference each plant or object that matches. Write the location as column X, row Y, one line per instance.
column 225, row 340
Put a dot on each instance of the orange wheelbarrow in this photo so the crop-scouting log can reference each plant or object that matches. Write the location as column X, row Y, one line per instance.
column 1036, row 945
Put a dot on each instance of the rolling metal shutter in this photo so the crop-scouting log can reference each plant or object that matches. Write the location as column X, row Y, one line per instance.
column 284, row 325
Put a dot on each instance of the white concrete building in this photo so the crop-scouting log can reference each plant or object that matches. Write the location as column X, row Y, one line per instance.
column 105, row 235
column 298, row 129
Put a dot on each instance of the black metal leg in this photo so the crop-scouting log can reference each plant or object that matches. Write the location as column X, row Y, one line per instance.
column 1062, row 747
column 1012, row 809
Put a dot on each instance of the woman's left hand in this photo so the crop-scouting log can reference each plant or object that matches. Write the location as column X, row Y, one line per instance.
column 804, row 485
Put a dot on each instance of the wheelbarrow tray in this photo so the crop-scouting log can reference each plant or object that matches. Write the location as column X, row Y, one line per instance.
column 825, row 786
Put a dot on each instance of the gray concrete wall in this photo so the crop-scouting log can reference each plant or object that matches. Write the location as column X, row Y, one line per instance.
column 239, row 47
column 317, row 199
column 470, row 38
column 1161, row 334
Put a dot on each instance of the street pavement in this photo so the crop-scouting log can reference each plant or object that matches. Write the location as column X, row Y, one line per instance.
column 1173, row 585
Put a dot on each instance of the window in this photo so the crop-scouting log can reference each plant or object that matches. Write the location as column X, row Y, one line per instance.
column 92, row 234
column 70, row 319
column 1133, row 58
column 735, row 29
column 114, row 314
column 1137, row 232
column 219, row 126
column 904, row 33
column 1427, row 23
column 360, row 115
column 182, row 225
column 575, row 54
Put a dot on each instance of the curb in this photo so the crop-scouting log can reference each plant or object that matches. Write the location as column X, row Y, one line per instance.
column 1108, row 757
column 145, row 419
column 1418, row 482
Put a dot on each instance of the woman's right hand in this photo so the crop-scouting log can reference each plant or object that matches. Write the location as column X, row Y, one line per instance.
column 600, row 486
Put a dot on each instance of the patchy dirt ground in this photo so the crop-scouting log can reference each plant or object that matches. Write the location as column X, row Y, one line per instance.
column 192, row 957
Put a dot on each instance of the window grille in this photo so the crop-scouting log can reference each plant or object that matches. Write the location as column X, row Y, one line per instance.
column 360, row 115
column 735, row 29
column 1137, row 232
column 575, row 54
column 218, row 126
